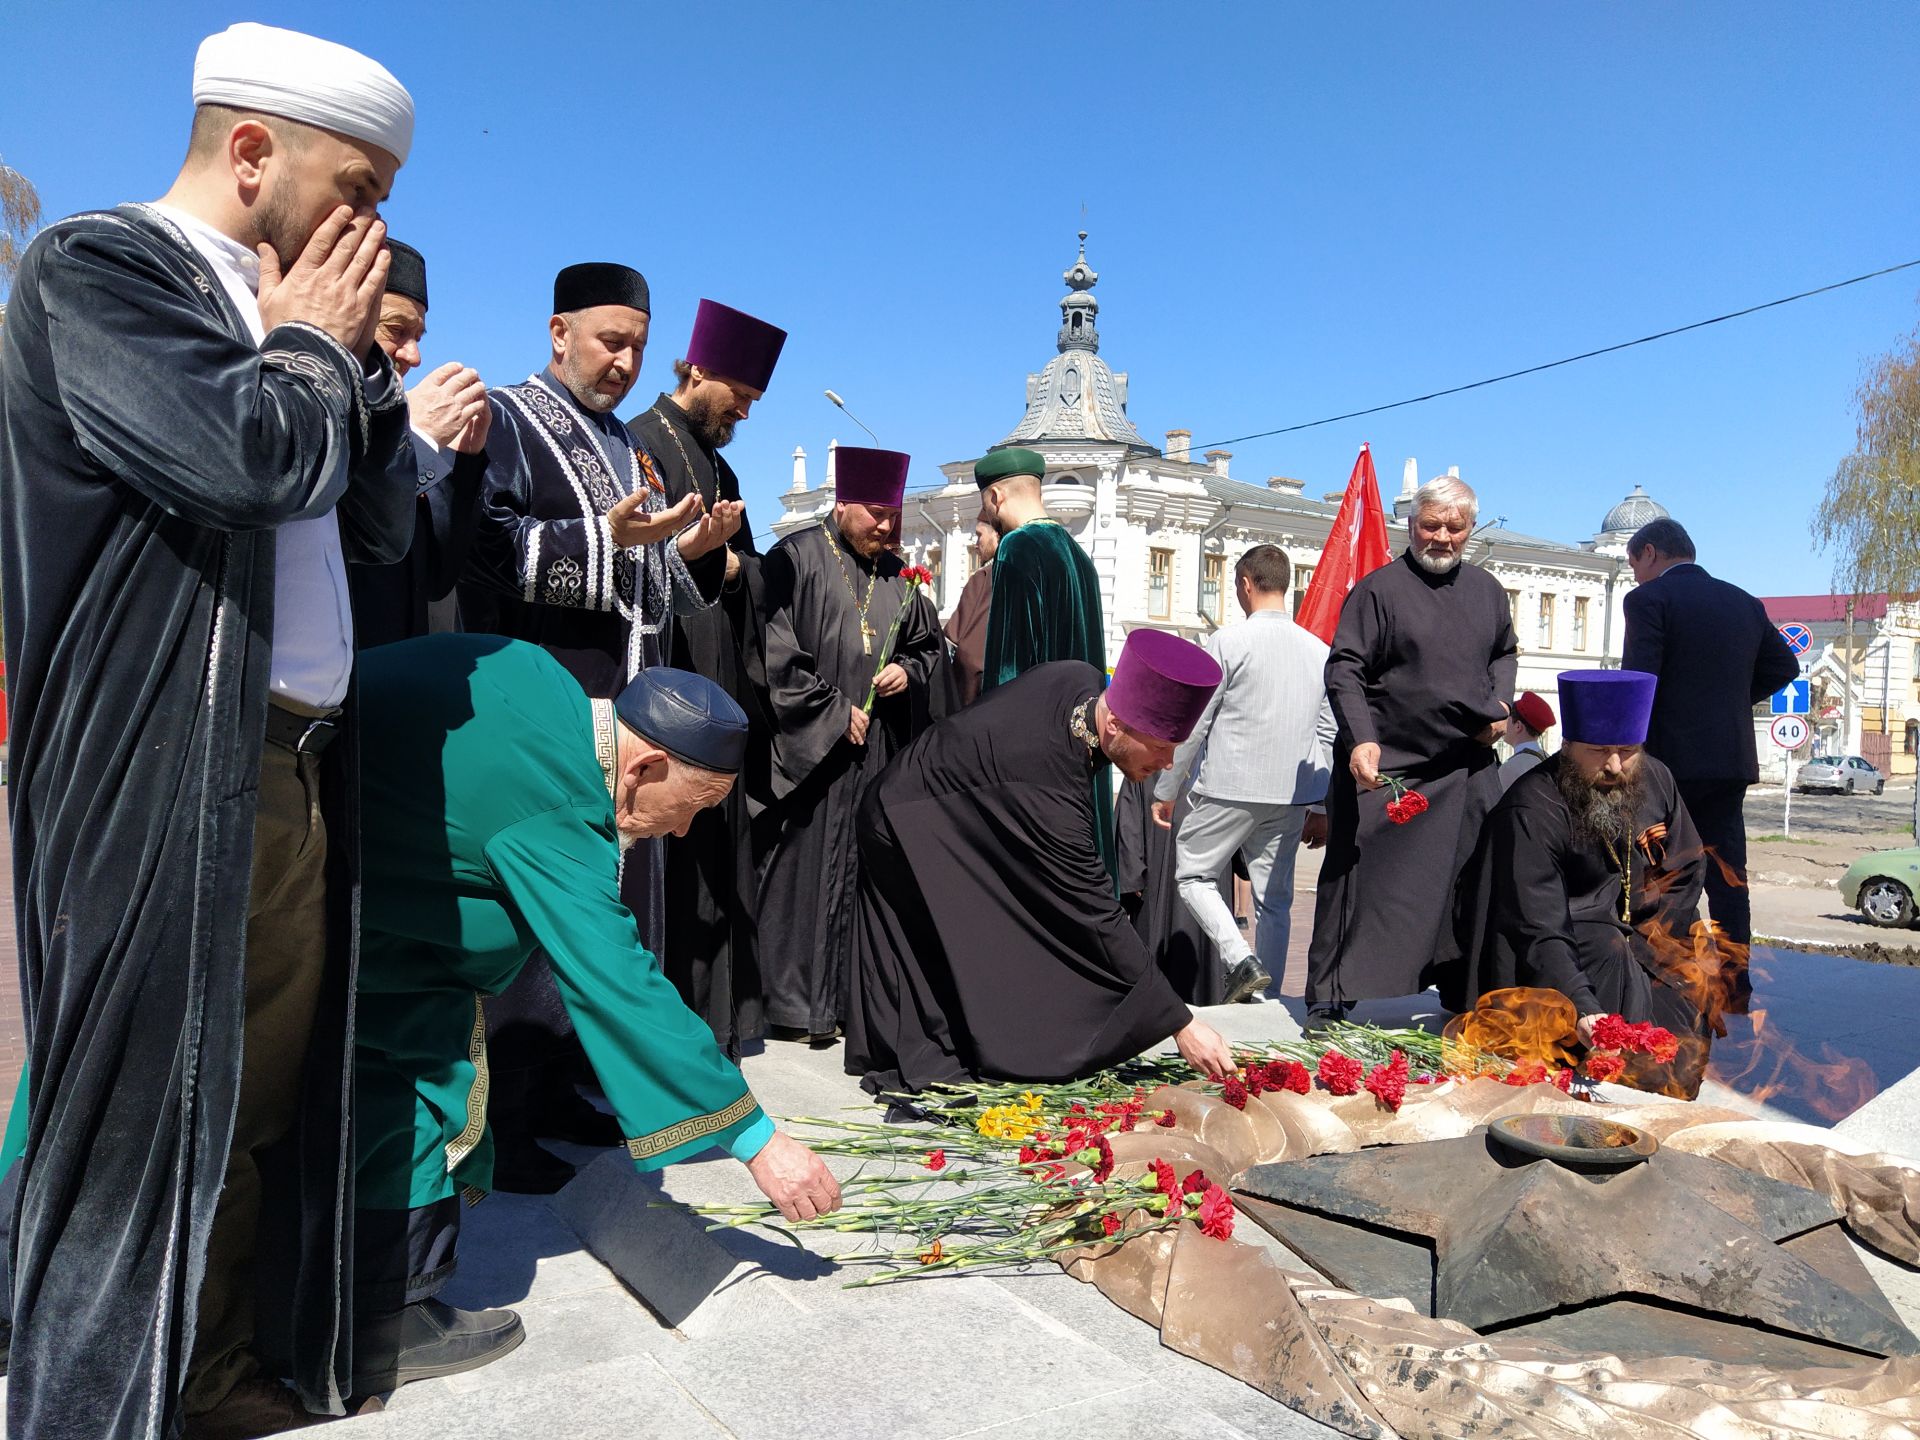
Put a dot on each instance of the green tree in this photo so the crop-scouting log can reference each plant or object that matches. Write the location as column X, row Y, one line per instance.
column 19, row 216
column 1869, row 518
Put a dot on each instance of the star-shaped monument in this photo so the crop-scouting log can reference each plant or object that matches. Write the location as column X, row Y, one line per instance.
column 1522, row 1234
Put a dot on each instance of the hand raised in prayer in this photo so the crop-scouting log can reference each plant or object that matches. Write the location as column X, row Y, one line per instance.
column 472, row 438
column 857, row 725
column 442, row 406
column 1313, row 834
column 630, row 525
column 891, row 681
column 1163, row 814
column 794, row 1178
column 712, row 530
column 1365, row 765
column 335, row 284
column 733, row 565
column 1200, row 1044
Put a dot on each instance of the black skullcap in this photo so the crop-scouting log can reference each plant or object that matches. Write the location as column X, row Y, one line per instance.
column 581, row 287
column 686, row 715
column 406, row 272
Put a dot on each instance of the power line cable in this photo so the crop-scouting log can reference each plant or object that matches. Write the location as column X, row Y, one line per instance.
column 1555, row 364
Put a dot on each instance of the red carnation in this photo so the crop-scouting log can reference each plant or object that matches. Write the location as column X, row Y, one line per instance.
column 1028, row 1155
column 1168, row 1181
column 1662, row 1044
column 1527, row 1072
column 1104, row 1168
column 1234, row 1093
column 1606, row 1065
column 1414, row 803
column 1110, row 1224
column 1195, row 1182
column 1340, row 1073
column 1397, row 812
column 1388, row 1082
column 937, row 1160
column 1563, row 1081
column 1216, row 1213
column 1165, row 1120
column 1256, row 1081
column 1297, row 1079
column 1611, row 1032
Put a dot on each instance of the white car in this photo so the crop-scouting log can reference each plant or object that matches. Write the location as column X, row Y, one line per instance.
column 1842, row 774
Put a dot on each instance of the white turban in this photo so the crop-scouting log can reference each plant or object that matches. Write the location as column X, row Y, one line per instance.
column 282, row 72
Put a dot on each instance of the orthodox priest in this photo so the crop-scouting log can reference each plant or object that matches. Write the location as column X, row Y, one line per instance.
column 710, row 934
column 1587, row 880
column 983, row 830
column 1420, row 676
column 1046, row 595
column 197, row 435
column 582, row 555
column 448, row 416
column 498, row 798
column 843, row 702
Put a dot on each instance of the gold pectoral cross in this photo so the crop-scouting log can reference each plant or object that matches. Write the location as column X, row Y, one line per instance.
column 866, row 638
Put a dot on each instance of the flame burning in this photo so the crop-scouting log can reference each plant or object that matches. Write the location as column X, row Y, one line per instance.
column 1515, row 1024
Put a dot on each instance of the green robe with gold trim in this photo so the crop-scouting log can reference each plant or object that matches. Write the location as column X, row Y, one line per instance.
column 1046, row 606
column 488, row 830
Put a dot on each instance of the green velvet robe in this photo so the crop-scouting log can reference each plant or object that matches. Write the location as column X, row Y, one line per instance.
column 1046, row 606
column 489, row 830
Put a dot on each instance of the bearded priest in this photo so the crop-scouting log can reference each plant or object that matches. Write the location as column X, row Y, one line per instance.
column 832, row 592
column 983, row 830
column 1587, row 880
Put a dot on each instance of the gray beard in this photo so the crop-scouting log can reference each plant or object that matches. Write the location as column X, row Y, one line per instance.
column 1599, row 818
column 1435, row 564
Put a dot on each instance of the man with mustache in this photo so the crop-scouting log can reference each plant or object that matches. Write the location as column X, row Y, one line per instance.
column 989, row 940
column 578, row 551
column 1587, row 880
column 1421, row 676
column 711, row 953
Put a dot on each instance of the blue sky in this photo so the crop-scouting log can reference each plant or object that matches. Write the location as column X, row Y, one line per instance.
column 1295, row 211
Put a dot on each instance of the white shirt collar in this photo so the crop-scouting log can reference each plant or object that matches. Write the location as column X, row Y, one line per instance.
column 220, row 248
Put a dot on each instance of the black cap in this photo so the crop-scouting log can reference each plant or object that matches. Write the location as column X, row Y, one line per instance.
column 581, row 287
column 406, row 272
column 686, row 715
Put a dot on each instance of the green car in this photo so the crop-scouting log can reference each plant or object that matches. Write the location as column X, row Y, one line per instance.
column 1881, row 886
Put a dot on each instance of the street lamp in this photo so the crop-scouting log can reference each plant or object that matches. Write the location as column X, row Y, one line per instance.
column 850, row 415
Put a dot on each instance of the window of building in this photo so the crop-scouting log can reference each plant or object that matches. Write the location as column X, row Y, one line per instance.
column 1580, row 624
column 1302, row 579
column 1159, row 583
column 1513, row 606
column 1546, row 622
column 1212, row 569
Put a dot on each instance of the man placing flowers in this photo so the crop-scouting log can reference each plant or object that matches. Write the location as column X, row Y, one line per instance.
column 988, row 940
column 1587, row 880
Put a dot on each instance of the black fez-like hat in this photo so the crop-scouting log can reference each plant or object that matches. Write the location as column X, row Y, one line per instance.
column 686, row 715
column 406, row 272
column 598, row 282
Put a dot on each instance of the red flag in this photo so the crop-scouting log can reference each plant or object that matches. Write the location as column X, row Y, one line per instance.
column 1356, row 545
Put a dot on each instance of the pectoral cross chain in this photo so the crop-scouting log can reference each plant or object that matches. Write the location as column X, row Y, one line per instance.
column 866, row 637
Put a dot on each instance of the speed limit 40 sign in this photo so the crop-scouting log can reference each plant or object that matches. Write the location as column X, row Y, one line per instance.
column 1790, row 731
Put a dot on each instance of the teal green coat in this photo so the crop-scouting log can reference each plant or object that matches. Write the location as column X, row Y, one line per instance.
column 1046, row 606
column 488, row 829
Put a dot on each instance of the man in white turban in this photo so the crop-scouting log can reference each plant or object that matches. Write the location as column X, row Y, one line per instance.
column 197, row 434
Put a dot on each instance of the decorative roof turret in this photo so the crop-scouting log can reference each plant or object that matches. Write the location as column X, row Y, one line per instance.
column 1078, row 397
column 1079, row 310
column 1631, row 513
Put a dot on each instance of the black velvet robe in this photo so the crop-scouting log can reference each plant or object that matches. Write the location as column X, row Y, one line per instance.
column 711, row 949
column 990, row 942
column 148, row 449
column 816, row 672
column 1538, row 909
column 403, row 601
column 1421, row 664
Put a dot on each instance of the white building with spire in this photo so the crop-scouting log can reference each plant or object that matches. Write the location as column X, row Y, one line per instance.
column 1165, row 529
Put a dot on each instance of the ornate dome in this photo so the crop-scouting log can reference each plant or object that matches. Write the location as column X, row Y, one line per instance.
column 1631, row 513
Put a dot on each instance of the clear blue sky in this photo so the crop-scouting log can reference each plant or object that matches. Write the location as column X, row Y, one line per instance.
column 1294, row 213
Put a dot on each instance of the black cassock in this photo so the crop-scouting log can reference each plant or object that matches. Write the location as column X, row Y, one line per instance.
column 711, row 951
column 990, row 942
column 148, row 451
column 1150, row 894
column 817, row 670
column 412, row 596
column 1420, row 664
column 1538, row 909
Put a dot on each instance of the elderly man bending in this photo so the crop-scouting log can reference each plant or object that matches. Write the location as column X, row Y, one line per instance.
column 498, row 799
column 1421, row 676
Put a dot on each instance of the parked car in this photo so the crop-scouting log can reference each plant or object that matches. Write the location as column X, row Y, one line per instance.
column 1881, row 886
column 1842, row 774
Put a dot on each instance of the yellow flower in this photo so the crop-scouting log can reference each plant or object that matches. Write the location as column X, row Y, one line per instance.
column 1030, row 1100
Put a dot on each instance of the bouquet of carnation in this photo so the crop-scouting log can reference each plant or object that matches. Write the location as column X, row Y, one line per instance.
column 1406, row 803
column 915, row 576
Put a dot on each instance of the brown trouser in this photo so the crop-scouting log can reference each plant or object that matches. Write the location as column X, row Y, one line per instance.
column 286, row 959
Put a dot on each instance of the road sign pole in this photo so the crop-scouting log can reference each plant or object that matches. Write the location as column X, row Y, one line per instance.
column 1786, row 820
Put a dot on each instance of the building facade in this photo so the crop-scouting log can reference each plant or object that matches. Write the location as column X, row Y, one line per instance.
column 1164, row 529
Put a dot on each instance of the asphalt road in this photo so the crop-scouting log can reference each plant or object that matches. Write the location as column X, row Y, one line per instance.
column 1832, row 817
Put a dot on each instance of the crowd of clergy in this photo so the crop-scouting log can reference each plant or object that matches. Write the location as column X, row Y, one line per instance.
column 399, row 769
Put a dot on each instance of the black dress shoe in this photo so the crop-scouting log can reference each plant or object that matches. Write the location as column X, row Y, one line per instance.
column 1319, row 1017
column 428, row 1340
column 563, row 1114
column 522, row 1167
column 1248, row 980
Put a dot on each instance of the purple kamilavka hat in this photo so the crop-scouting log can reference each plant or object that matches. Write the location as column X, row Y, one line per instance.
column 1606, row 707
column 1160, row 684
column 731, row 343
column 869, row 477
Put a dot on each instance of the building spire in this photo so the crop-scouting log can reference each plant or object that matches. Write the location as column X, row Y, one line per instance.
column 1078, row 311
